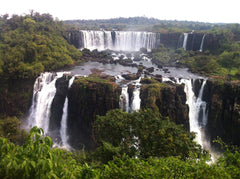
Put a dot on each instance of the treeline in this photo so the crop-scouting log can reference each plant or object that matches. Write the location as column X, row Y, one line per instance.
column 142, row 23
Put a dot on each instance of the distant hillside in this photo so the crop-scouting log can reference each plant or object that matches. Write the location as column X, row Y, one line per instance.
column 141, row 23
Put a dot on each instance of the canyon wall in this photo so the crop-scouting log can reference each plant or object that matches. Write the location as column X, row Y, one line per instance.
column 224, row 111
column 89, row 97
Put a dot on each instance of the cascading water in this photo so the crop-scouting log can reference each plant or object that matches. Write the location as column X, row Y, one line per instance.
column 196, row 107
column 136, row 100
column 202, row 42
column 119, row 40
column 63, row 129
column 185, row 41
column 43, row 94
column 124, row 99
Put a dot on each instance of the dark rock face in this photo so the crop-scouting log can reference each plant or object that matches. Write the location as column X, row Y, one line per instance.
column 170, row 40
column 130, row 93
column 76, row 38
column 89, row 97
column 113, row 33
column 194, row 41
column 212, row 43
column 57, row 107
column 197, row 84
column 168, row 99
column 224, row 111
column 15, row 96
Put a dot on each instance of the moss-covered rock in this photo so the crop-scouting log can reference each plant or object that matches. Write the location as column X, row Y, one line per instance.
column 168, row 99
column 88, row 97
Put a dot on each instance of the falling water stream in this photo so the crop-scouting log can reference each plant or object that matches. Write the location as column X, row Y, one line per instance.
column 63, row 129
column 43, row 94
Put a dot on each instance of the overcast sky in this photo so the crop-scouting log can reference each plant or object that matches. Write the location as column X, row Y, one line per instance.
column 227, row 11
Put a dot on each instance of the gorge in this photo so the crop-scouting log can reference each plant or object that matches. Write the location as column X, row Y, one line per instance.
column 122, row 109
column 74, row 99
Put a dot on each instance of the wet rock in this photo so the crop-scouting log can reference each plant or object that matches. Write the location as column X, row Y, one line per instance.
column 158, row 78
column 130, row 76
column 169, row 100
column 166, row 70
column 150, row 70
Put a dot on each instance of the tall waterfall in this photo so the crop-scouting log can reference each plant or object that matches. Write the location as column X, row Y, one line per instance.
column 119, row 40
column 43, row 94
column 136, row 102
column 185, row 41
column 202, row 42
column 63, row 129
column 197, row 110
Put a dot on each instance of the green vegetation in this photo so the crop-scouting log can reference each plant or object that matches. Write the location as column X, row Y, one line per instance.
column 32, row 44
column 137, row 145
column 116, row 156
column 138, row 134
column 29, row 45
column 222, row 60
column 142, row 23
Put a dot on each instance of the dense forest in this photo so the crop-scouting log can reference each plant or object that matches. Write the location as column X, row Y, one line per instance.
column 142, row 23
column 35, row 43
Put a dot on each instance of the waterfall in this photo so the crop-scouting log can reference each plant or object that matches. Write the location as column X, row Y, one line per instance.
column 63, row 129
column 136, row 100
column 124, row 99
column 43, row 94
column 202, row 42
column 202, row 107
column 119, row 40
column 196, row 107
column 185, row 41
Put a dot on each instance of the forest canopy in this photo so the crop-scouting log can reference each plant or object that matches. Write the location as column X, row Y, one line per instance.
column 32, row 44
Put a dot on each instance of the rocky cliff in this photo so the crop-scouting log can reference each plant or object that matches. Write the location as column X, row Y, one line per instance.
column 224, row 110
column 89, row 97
column 15, row 96
column 168, row 98
column 57, row 107
column 170, row 40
